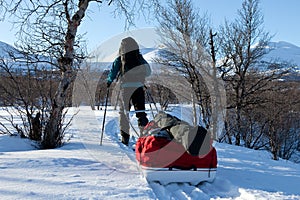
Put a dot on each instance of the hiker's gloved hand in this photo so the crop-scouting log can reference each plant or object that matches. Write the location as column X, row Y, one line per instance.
column 108, row 84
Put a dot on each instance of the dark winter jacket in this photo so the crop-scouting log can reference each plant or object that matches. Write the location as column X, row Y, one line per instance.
column 133, row 75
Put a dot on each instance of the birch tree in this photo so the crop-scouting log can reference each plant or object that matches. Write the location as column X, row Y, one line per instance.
column 242, row 46
column 185, row 33
column 50, row 28
column 189, row 38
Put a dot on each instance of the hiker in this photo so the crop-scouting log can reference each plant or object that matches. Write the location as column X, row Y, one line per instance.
column 132, row 69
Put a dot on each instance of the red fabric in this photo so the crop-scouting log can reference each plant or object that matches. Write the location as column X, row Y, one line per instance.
column 150, row 125
column 161, row 153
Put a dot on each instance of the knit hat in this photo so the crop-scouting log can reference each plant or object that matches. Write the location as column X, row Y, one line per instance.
column 127, row 45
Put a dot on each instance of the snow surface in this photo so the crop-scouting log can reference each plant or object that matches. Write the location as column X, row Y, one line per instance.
column 82, row 169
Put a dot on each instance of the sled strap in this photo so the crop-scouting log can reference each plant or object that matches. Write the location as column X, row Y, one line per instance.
column 137, row 111
column 183, row 168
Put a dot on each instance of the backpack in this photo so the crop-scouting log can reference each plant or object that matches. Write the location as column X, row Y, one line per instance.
column 195, row 139
column 134, row 71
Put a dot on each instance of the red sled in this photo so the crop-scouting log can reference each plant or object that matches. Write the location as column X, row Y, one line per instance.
column 167, row 161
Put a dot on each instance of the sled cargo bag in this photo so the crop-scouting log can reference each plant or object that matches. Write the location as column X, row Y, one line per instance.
column 195, row 139
column 163, row 159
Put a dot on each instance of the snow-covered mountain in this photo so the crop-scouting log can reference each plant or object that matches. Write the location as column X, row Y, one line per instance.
column 285, row 51
column 6, row 49
column 6, row 52
column 279, row 51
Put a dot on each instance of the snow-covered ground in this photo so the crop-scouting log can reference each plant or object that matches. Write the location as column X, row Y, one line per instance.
column 82, row 169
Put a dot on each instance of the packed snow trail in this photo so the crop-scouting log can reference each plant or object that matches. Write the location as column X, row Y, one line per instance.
column 124, row 171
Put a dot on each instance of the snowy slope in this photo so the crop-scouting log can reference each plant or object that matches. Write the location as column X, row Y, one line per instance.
column 82, row 169
column 5, row 49
column 285, row 51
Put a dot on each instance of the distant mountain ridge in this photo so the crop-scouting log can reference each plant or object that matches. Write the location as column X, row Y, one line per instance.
column 280, row 51
column 21, row 65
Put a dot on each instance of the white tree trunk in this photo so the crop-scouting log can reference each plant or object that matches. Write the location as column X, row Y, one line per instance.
column 53, row 132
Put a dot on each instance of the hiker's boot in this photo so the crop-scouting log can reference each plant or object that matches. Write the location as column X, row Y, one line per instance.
column 141, row 128
column 142, row 122
column 125, row 138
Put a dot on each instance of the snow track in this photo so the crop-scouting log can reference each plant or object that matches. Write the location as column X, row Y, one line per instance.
column 180, row 191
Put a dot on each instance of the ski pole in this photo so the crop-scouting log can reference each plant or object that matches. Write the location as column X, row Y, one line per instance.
column 105, row 108
column 151, row 99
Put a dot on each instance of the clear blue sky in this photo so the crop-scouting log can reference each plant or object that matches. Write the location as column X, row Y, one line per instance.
column 282, row 18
